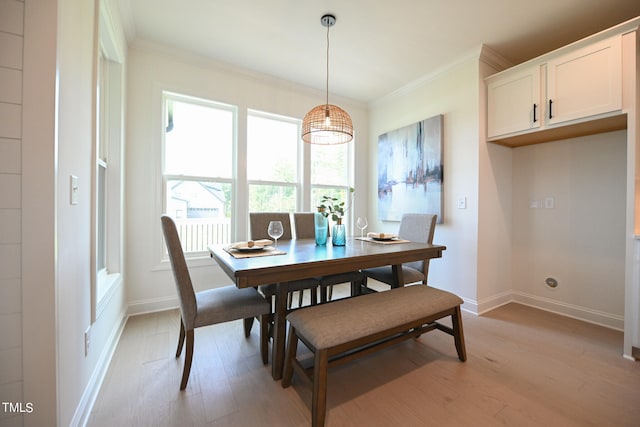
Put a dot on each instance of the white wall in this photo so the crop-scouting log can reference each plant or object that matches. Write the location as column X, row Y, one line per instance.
column 454, row 92
column 581, row 241
column 59, row 84
column 499, row 250
column 149, row 282
column 38, row 215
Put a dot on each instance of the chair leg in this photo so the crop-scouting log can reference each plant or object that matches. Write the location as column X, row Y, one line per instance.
column 289, row 300
column 319, row 395
column 458, row 334
column 326, row 292
column 248, row 323
column 187, row 360
column 300, row 296
column 180, row 339
column 265, row 322
column 292, row 347
column 362, row 287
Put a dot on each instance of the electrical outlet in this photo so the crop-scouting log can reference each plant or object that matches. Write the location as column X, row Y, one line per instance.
column 549, row 203
column 87, row 341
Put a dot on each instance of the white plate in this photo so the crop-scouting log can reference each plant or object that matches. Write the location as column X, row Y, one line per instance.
column 249, row 249
column 384, row 239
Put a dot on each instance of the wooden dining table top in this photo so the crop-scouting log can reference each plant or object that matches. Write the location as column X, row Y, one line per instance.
column 304, row 259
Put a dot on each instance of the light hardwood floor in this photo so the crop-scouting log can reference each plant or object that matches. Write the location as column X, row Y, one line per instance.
column 525, row 367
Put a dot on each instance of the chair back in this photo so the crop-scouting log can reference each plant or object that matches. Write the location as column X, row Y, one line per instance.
column 304, row 225
column 186, row 294
column 418, row 228
column 259, row 224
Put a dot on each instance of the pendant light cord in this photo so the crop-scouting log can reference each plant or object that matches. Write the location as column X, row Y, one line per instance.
column 327, row 103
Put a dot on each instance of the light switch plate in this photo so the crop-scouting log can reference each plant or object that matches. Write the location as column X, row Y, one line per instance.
column 74, row 190
column 462, row 202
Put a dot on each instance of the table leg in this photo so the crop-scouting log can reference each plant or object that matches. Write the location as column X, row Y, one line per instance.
column 279, row 331
column 398, row 277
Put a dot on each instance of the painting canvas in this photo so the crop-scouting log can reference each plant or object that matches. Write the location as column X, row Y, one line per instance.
column 410, row 170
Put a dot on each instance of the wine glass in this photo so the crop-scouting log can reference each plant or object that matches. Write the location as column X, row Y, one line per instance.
column 362, row 223
column 275, row 230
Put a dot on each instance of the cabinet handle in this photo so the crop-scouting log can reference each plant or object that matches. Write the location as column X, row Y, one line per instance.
column 534, row 113
column 550, row 110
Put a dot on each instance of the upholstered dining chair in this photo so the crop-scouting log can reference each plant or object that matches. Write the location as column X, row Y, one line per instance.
column 211, row 306
column 304, row 225
column 258, row 225
column 305, row 229
column 417, row 228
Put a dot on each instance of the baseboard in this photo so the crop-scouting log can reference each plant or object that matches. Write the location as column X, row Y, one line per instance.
column 635, row 353
column 88, row 399
column 601, row 318
column 152, row 305
column 487, row 304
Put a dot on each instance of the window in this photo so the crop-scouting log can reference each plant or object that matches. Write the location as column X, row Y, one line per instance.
column 197, row 169
column 329, row 172
column 107, row 170
column 272, row 162
column 213, row 175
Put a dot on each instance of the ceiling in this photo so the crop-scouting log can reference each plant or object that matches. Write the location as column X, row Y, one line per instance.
column 376, row 47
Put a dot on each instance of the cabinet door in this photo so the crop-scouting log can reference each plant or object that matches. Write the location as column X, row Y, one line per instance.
column 513, row 102
column 585, row 82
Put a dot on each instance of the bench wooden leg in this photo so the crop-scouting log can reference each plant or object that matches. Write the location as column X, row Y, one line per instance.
column 458, row 334
column 292, row 347
column 319, row 399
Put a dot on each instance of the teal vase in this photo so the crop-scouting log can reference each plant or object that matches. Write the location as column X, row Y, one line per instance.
column 338, row 235
column 322, row 227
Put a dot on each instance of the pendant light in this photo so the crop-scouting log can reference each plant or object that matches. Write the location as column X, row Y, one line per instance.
column 327, row 123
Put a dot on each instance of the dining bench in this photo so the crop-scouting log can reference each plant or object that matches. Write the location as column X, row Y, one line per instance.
column 343, row 330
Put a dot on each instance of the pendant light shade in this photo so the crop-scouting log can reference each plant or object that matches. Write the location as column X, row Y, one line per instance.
column 327, row 124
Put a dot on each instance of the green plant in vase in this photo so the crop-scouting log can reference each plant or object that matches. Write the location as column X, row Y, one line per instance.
column 333, row 206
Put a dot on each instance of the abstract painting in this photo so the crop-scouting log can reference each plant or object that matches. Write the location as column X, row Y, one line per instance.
column 410, row 170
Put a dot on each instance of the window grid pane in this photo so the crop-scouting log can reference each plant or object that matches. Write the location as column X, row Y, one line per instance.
column 201, row 210
column 272, row 198
column 198, row 140
column 272, row 149
column 198, row 145
column 329, row 164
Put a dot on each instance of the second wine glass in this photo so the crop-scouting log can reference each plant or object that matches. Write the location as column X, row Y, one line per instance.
column 362, row 223
column 275, row 230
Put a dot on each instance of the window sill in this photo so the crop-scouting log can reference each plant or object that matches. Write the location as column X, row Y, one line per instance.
column 107, row 285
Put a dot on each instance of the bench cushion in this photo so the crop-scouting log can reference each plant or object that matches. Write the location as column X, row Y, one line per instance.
column 343, row 321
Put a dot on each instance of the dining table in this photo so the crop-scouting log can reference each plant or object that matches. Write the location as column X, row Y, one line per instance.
column 300, row 259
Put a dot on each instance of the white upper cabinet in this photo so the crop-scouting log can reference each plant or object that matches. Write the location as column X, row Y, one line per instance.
column 513, row 102
column 570, row 92
column 585, row 82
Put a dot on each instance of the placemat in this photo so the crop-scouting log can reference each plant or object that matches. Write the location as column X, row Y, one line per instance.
column 383, row 242
column 253, row 254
